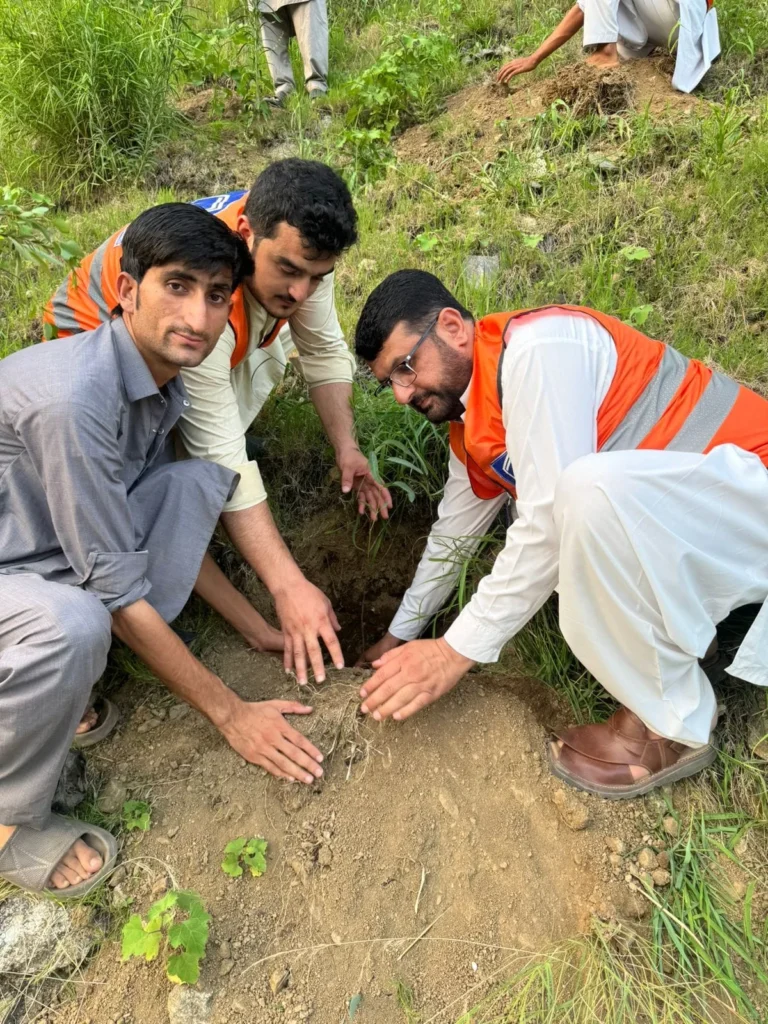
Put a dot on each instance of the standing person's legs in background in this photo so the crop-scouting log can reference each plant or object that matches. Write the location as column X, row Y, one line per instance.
column 310, row 22
column 276, row 31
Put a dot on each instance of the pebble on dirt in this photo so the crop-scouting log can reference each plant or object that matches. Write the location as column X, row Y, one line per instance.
column 189, row 1005
column 112, row 797
column 572, row 811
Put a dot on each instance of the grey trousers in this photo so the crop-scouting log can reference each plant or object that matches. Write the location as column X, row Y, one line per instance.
column 308, row 21
column 55, row 636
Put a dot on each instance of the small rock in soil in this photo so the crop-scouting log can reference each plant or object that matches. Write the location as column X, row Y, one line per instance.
column 572, row 811
column 37, row 937
column 225, row 967
column 72, row 785
column 663, row 859
column 178, row 711
column 671, row 826
column 189, row 1005
column 112, row 797
column 647, row 859
column 325, row 856
column 479, row 270
column 661, row 877
column 448, row 804
column 279, row 980
column 173, row 831
column 615, row 845
column 118, row 875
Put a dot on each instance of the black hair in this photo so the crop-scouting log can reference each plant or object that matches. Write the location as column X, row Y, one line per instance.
column 309, row 196
column 184, row 234
column 413, row 297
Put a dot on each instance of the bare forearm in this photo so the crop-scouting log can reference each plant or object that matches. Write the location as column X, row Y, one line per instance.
column 334, row 407
column 144, row 631
column 567, row 29
column 254, row 534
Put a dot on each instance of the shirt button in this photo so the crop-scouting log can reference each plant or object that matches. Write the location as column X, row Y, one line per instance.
column 161, row 431
column 186, row 404
column 154, row 431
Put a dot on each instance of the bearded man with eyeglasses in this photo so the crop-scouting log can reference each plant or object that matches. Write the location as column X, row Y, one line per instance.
column 640, row 483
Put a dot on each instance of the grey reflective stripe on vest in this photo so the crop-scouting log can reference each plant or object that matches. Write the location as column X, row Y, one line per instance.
column 63, row 317
column 646, row 411
column 708, row 415
column 94, row 282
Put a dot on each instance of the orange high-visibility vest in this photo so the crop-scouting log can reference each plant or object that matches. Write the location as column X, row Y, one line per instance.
column 658, row 399
column 88, row 296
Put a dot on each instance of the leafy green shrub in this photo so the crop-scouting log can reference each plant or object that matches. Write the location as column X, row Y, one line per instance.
column 248, row 852
column 84, row 86
column 401, row 87
column 31, row 234
column 189, row 936
column 226, row 57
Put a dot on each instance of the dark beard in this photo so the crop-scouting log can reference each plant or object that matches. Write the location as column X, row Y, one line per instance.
column 445, row 404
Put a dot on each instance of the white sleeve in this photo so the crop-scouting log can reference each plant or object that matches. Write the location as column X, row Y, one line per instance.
column 553, row 381
column 323, row 352
column 462, row 519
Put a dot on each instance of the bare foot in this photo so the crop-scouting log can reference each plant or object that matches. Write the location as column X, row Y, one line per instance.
column 87, row 722
column 605, row 56
column 77, row 865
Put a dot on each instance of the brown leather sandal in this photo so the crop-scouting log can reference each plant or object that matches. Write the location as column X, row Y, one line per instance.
column 596, row 758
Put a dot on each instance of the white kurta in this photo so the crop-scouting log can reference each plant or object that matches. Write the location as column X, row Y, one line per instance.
column 648, row 550
column 640, row 25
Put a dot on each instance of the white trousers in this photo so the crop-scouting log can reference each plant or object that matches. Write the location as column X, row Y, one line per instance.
column 640, row 25
column 656, row 548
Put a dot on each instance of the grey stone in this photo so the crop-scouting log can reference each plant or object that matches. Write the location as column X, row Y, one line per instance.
column 38, row 936
column 189, row 1005
column 178, row 711
column 480, row 270
column 112, row 797
column 72, row 785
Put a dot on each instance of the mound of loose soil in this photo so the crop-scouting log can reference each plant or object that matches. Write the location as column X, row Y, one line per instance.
column 478, row 110
column 589, row 90
column 450, row 820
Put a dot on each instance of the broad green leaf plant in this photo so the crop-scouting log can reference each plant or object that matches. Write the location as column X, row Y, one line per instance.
column 187, row 935
column 251, row 853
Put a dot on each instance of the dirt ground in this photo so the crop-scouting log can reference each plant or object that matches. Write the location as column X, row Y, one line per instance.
column 483, row 109
column 450, row 820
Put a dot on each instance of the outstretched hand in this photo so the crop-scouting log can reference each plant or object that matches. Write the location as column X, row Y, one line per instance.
column 306, row 617
column 410, row 677
column 356, row 475
column 518, row 66
column 260, row 734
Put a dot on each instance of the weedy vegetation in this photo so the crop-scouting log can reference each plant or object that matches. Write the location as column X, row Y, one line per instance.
column 245, row 853
column 179, row 922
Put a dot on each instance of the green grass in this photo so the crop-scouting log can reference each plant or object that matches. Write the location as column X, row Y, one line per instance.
column 84, row 88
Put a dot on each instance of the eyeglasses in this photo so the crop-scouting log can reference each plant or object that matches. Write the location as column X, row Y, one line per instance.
column 404, row 374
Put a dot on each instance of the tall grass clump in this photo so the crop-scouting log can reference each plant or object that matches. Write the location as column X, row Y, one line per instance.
column 84, row 88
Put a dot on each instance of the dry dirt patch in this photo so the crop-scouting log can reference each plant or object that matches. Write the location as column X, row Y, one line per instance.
column 450, row 819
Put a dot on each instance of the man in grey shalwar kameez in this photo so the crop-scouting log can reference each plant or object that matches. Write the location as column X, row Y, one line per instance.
column 102, row 533
column 308, row 21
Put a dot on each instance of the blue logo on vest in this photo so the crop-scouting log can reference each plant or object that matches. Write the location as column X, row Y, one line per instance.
column 215, row 204
column 502, row 466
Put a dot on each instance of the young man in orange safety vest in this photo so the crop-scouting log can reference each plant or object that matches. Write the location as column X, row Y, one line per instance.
column 297, row 220
column 641, row 494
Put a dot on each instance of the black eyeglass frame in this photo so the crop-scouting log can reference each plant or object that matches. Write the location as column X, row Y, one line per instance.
column 407, row 361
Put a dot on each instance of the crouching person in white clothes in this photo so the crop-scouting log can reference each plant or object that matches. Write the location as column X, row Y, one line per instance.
column 628, row 29
column 641, row 488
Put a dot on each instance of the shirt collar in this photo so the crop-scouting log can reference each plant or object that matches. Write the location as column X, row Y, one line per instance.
column 137, row 378
column 465, row 398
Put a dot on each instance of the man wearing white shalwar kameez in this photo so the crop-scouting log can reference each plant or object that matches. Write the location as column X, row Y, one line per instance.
column 629, row 29
column 641, row 488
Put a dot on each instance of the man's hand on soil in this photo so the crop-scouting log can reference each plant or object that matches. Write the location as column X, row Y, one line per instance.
column 356, row 476
column 411, row 677
column 378, row 650
column 260, row 734
column 518, row 66
column 305, row 614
